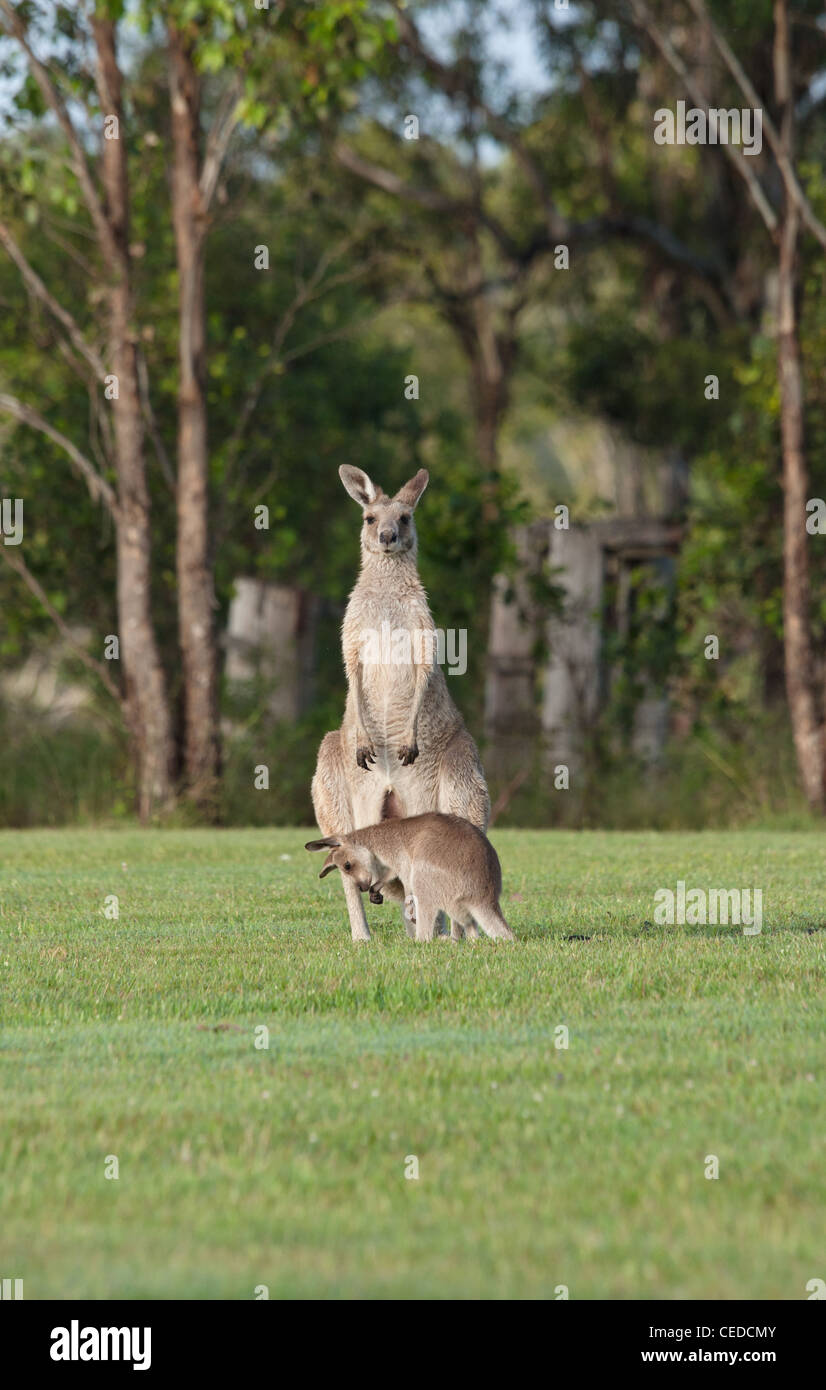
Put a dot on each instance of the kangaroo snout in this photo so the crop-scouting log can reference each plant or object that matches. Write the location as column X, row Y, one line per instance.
column 388, row 536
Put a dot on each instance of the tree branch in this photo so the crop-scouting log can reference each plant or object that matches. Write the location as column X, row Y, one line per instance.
column 39, row 290
column 641, row 229
column 558, row 228
column 389, row 182
column 308, row 291
column 55, row 101
column 218, row 139
column 674, row 251
column 152, row 422
column 468, row 210
column 451, row 82
column 646, row 22
column 20, row 567
column 784, row 164
column 99, row 489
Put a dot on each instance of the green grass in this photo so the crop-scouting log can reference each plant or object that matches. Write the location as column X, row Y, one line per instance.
column 538, row 1167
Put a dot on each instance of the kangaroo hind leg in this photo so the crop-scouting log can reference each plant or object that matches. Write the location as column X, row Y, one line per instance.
column 462, row 924
column 492, row 922
column 334, row 813
column 427, row 913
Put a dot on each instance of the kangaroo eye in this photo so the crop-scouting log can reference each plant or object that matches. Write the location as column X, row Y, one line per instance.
column 369, row 520
column 404, row 520
column 348, row 866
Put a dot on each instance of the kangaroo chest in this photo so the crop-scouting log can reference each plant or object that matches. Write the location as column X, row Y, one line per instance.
column 386, row 636
column 387, row 631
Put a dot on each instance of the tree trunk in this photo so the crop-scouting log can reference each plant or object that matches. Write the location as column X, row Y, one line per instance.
column 492, row 354
column 807, row 729
column 196, row 599
column 146, row 701
column 797, row 639
column 489, row 392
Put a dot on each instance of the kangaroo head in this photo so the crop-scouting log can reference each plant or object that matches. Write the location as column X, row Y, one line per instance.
column 353, row 860
column 388, row 527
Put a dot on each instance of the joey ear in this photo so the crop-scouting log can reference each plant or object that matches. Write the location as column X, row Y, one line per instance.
column 357, row 483
column 330, row 842
column 328, row 866
column 412, row 491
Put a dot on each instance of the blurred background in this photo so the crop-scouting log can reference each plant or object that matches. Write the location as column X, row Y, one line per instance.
column 244, row 243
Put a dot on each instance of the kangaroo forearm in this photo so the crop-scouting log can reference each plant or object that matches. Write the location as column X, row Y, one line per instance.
column 354, row 677
column 422, row 678
column 365, row 755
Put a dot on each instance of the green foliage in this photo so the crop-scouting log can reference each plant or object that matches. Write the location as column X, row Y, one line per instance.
column 50, row 775
column 624, row 337
column 620, row 369
column 721, row 774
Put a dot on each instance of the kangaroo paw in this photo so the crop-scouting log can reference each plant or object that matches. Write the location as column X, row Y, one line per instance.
column 365, row 756
column 408, row 753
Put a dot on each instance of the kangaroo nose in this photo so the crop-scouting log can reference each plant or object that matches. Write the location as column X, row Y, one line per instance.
column 386, row 537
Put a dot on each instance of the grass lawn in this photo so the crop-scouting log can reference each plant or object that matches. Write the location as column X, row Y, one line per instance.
column 538, row 1166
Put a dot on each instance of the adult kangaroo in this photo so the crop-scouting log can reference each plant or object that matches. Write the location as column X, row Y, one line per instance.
column 402, row 748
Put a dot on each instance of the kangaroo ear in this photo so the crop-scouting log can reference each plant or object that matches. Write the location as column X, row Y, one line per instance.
column 328, row 866
column 412, row 491
column 331, row 842
column 357, row 483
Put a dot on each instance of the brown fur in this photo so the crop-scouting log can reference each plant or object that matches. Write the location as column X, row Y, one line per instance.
column 402, row 748
column 445, row 864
